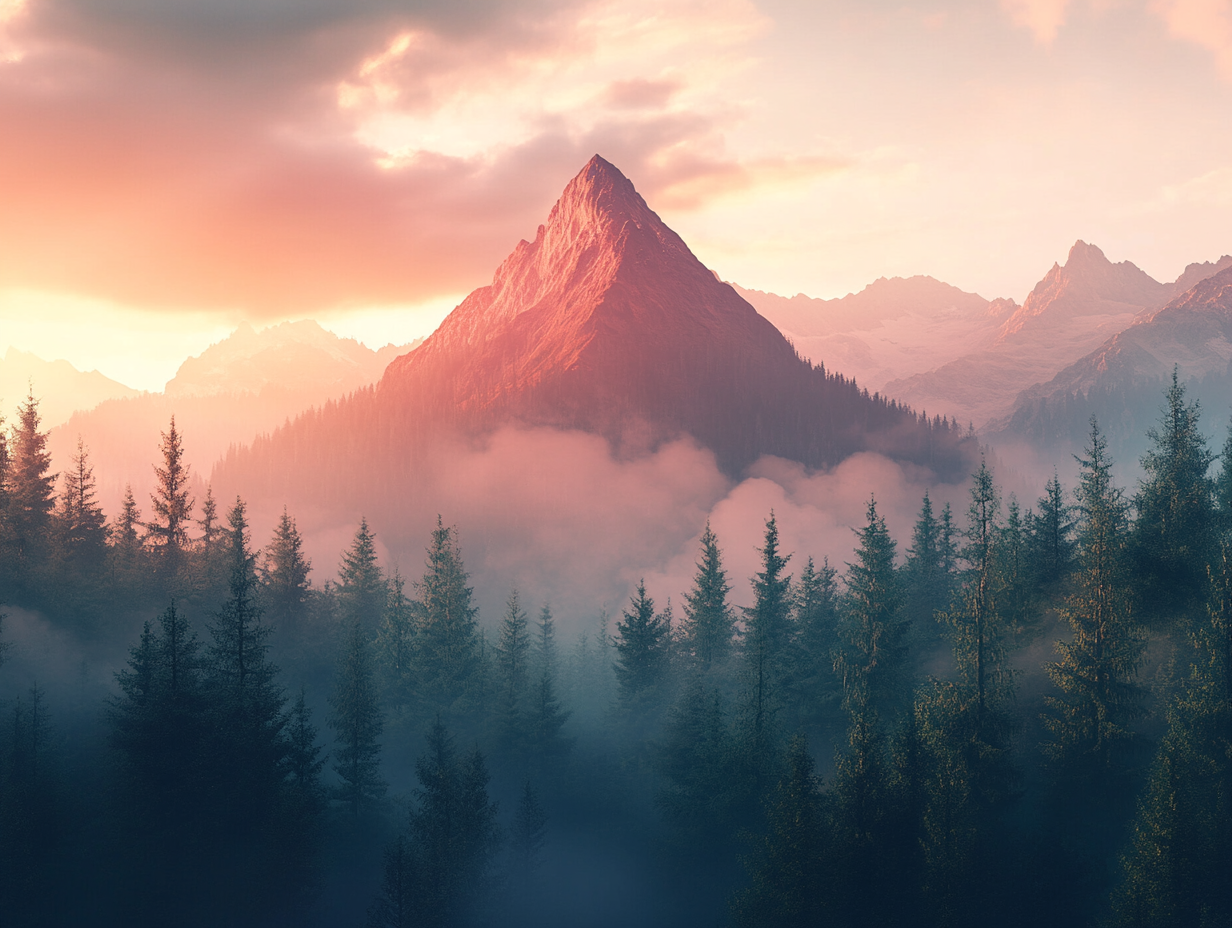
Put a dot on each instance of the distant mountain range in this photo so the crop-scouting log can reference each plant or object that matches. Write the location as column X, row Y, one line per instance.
column 605, row 323
column 1122, row 381
column 60, row 387
column 893, row 328
column 236, row 390
column 1072, row 309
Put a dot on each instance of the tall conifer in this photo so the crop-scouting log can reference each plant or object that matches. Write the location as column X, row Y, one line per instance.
column 447, row 642
column 171, row 504
column 709, row 625
column 1095, row 674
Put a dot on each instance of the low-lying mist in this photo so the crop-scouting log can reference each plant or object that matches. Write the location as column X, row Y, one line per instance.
column 562, row 518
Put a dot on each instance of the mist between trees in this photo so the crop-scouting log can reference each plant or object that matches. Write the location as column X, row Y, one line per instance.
column 1021, row 714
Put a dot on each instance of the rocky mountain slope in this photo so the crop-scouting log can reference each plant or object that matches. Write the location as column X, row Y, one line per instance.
column 1121, row 382
column 246, row 385
column 60, row 388
column 605, row 323
column 1071, row 311
column 891, row 329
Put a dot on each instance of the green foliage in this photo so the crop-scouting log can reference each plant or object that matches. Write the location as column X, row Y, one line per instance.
column 513, row 672
column 816, row 689
column 82, row 529
column 768, row 640
column 641, row 650
column 284, row 575
column 787, row 884
column 871, row 659
column 1089, row 720
column 1173, row 536
column 707, row 787
column 1050, row 531
column 30, row 485
column 395, row 644
column 709, row 625
column 357, row 725
column 927, row 573
column 395, row 906
column 529, row 836
column 453, row 830
column 362, row 591
column 172, row 506
column 1175, row 870
column 447, row 652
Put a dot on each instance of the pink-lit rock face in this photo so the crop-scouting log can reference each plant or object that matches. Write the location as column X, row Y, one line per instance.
column 606, row 293
column 606, row 323
column 1074, row 309
column 1120, row 382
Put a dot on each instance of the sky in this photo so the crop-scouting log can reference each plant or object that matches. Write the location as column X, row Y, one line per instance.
column 171, row 167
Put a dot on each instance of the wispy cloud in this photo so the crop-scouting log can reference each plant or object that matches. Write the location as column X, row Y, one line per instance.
column 1207, row 23
column 1043, row 17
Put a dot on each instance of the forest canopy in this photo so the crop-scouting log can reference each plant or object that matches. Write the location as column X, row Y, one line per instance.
column 1020, row 714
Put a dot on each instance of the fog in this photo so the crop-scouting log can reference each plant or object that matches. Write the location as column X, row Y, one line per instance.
column 564, row 519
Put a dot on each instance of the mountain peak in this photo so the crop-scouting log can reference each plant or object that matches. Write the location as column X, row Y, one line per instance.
column 608, row 323
column 1082, row 253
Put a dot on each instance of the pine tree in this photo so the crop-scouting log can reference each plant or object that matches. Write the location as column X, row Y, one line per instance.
column 211, row 552
column 707, row 785
column 1222, row 487
column 641, row 650
column 787, row 876
column 362, row 590
column 83, row 527
column 303, row 756
column 172, row 505
column 284, row 575
column 396, row 905
column 31, row 488
column 357, row 725
column 1017, row 596
column 547, row 717
column 1173, row 536
column 247, row 762
column 395, row 643
column 767, row 639
column 125, row 539
column 977, row 623
column 1051, row 543
column 1098, row 697
column 161, row 728
column 454, row 831
column 871, row 660
column 31, row 848
column 529, row 836
column 512, row 664
column 709, row 624
column 1174, row 872
column 447, row 651
column 927, row 580
column 816, row 689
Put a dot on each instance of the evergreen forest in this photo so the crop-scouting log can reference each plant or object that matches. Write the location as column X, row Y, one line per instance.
column 1019, row 715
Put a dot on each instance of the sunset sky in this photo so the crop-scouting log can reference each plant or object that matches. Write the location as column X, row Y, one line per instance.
column 169, row 167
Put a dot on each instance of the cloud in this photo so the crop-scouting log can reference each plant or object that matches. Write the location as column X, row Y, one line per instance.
column 1213, row 188
column 1043, row 17
column 289, row 157
column 640, row 93
column 561, row 518
column 1207, row 23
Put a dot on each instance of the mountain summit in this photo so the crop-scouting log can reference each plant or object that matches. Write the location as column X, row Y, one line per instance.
column 1088, row 284
column 607, row 323
column 606, row 306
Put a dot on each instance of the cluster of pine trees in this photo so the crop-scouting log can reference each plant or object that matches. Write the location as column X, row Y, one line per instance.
column 1026, row 718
